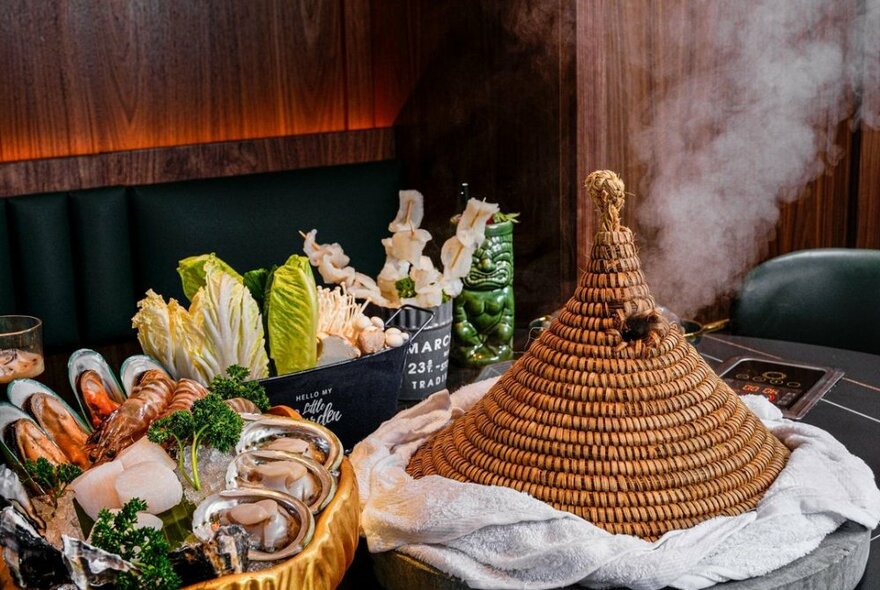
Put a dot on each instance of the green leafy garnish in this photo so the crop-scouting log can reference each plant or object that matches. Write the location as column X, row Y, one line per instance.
column 210, row 423
column 146, row 548
column 54, row 479
column 406, row 288
column 502, row 217
column 235, row 386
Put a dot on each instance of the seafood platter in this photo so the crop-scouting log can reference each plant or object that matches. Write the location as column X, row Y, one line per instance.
column 147, row 481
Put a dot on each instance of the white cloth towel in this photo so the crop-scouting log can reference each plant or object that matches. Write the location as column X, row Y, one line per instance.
column 495, row 537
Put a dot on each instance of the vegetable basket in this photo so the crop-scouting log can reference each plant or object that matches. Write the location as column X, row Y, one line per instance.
column 354, row 397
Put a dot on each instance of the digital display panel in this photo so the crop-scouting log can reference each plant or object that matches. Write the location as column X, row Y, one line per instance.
column 793, row 388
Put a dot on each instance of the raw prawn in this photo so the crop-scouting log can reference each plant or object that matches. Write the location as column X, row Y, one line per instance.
column 185, row 394
column 133, row 417
column 242, row 405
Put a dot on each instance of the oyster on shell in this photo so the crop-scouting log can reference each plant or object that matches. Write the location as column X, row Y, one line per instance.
column 290, row 473
column 279, row 526
column 294, row 436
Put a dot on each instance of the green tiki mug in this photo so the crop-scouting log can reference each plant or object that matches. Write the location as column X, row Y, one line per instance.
column 482, row 324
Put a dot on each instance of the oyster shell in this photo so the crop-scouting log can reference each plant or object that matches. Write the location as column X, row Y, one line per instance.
column 226, row 553
column 279, row 526
column 12, row 493
column 134, row 367
column 290, row 473
column 97, row 390
column 295, row 436
column 90, row 566
column 34, row 563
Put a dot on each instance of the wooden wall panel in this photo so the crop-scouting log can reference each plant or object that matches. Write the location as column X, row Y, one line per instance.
column 84, row 77
column 494, row 106
column 628, row 60
column 195, row 161
column 868, row 200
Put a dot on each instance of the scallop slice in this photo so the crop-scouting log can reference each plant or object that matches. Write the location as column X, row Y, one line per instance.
column 144, row 520
column 153, row 483
column 96, row 488
column 144, row 451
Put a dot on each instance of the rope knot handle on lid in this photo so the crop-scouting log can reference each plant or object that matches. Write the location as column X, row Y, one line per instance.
column 607, row 193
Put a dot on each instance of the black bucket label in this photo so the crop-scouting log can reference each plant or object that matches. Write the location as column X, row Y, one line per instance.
column 427, row 358
column 427, row 362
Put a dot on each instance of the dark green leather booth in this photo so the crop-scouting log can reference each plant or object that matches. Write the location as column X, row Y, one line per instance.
column 826, row 296
column 81, row 260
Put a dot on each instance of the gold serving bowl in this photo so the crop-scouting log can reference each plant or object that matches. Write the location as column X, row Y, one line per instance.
column 320, row 566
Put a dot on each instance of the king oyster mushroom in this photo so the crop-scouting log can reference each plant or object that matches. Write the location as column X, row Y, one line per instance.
column 290, row 473
column 279, row 526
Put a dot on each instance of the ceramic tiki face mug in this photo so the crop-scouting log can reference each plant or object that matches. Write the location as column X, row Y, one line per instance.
column 483, row 312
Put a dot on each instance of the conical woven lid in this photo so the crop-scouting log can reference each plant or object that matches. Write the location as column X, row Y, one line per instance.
column 611, row 414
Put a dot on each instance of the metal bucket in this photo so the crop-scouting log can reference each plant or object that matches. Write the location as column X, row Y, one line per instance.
column 427, row 359
column 352, row 398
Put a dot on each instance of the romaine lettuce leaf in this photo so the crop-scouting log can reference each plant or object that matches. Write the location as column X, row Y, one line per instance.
column 291, row 308
column 256, row 282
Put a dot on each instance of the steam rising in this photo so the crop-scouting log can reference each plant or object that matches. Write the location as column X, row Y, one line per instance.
column 726, row 147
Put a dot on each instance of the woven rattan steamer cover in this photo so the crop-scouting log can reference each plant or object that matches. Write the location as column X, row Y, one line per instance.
column 611, row 414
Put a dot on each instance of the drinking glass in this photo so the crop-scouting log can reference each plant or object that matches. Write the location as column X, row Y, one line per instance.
column 21, row 347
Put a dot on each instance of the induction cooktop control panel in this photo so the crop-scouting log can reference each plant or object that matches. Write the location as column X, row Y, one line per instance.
column 792, row 387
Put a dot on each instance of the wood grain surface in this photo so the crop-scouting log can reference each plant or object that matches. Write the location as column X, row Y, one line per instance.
column 628, row 61
column 494, row 107
column 867, row 214
column 84, row 77
column 207, row 160
column 520, row 99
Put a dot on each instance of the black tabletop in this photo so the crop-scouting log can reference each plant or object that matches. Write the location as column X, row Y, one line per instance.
column 850, row 411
